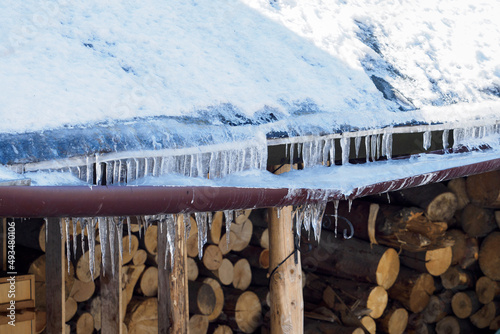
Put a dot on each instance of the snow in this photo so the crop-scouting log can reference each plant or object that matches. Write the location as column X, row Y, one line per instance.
column 314, row 65
column 9, row 175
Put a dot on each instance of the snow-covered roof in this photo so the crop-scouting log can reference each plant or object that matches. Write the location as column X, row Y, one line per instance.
column 81, row 78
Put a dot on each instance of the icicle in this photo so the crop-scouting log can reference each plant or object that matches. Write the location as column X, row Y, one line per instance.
column 332, row 152
column 91, row 236
column 446, row 134
column 61, row 228
column 187, row 223
column 201, row 221
column 120, row 237
column 345, row 144
column 112, row 232
column 336, row 204
column 171, row 235
column 357, row 143
column 278, row 212
column 98, row 170
column 129, row 234
column 427, row 139
column 367, row 148
column 388, row 198
column 388, row 146
column 374, row 147
column 292, row 152
column 210, row 219
column 83, row 225
column 350, row 204
column 318, row 210
column 306, row 218
column 378, row 146
column 139, row 222
column 229, row 216
column 103, row 236
column 68, row 249
column 75, row 235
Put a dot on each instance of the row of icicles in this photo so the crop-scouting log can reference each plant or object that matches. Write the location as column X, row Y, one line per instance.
column 307, row 216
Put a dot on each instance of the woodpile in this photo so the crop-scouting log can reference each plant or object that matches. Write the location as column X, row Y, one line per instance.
column 422, row 260
column 446, row 271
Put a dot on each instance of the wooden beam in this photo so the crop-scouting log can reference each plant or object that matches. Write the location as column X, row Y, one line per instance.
column 285, row 284
column 54, row 277
column 173, row 305
column 111, row 286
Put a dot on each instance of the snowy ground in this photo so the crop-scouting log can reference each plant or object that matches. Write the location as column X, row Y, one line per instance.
column 68, row 64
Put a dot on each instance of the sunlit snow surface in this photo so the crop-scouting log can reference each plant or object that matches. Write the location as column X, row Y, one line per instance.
column 311, row 63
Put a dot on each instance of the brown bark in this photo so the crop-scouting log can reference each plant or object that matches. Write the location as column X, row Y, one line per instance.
column 456, row 278
column 484, row 189
column 434, row 262
column 489, row 256
column 352, row 259
column 477, row 221
column 465, row 249
column 438, row 202
column 413, row 289
column 439, row 307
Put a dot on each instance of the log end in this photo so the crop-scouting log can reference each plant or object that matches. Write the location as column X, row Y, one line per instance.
column 248, row 312
column 489, row 256
column 438, row 260
column 388, row 269
column 377, row 302
column 442, row 207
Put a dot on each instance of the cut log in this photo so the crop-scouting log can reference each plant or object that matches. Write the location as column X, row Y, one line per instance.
column 201, row 298
column 242, row 274
column 131, row 275
column 244, row 309
column 412, row 289
column 82, row 267
column 394, row 320
column 226, row 245
column 31, row 233
column 85, row 324
column 438, row 202
column 367, row 323
column 453, row 325
column 360, row 295
column 323, row 327
column 487, row 289
column 223, row 329
column 464, row 304
column 416, row 325
column 495, row 324
column 489, row 256
column 192, row 269
column 95, row 311
column 242, row 215
column 484, row 189
column 458, row 187
column 434, row 262
column 41, row 321
column 465, row 250
column 224, row 274
column 477, row 221
column 456, row 278
column 198, row 324
column 129, row 253
column 142, row 316
column 390, row 225
column 352, row 259
column 70, row 308
column 485, row 315
column 257, row 257
column 439, row 307
column 219, row 298
column 260, row 237
column 149, row 240
column 243, row 234
column 212, row 257
column 216, row 230
column 82, row 291
column 139, row 257
column 148, row 282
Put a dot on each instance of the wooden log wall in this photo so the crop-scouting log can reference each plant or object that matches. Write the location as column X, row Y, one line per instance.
column 425, row 260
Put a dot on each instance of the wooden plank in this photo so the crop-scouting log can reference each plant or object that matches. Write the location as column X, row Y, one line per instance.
column 111, row 287
column 173, row 305
column 285, row 284
column 54, row 271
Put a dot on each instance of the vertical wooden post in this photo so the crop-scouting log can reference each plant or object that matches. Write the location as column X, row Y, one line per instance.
column 54, row 277
column 111, row 287
column 173, row 307
column 285, row 284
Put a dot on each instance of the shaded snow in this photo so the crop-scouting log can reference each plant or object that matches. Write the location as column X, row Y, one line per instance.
column 310, row 63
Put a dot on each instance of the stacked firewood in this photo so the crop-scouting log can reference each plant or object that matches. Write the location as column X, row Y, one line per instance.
column 440, row 246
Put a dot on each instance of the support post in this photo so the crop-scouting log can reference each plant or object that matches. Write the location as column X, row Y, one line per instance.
column 285, row 284
column 173, row 307
column 54, row 277
column 111, row 286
